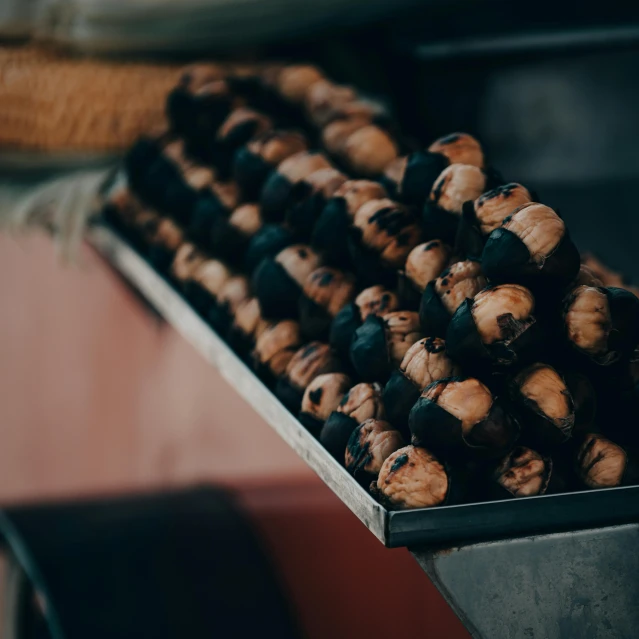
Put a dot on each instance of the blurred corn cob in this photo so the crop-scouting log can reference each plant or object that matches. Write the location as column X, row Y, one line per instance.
column 53, row 103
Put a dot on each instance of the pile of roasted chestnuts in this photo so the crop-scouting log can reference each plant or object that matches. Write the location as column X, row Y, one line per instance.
column 434, row 326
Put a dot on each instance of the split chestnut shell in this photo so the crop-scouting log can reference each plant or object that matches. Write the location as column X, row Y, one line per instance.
column 459, row 416
column 321, row 397
column 275, row 348
column 412, row 477
column 497, row 326
column 380, row 343
column 444, row 295
column 532, row 242
column 544, row 405
column 373, row 300
column 602, row 323
column 425, row 361
column 368, row 447
column 600, row 463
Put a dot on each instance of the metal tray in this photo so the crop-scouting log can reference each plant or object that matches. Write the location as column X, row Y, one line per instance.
column 433, row 527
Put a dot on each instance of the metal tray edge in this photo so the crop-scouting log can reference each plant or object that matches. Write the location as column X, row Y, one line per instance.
column 187, row 322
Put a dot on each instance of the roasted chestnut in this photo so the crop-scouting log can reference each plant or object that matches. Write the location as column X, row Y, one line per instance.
column 544, row 405
column 531, row 242
column 523, row 472
column 368, row 447
column 233, row 292
column 163, row 243
column 308, row 198
column 455, row 185
column 330, row 234
column 238, row 128
column 293, row 82
column 412, row 477
column 496, row 326
column 460, row 417
column 373, row 300
column 423, row 264
column 410, row 178
column 277, row 190
column 247, row 326
column 265, row 243
column 600, row 463
column 324, row 99
column 382, row 236
column 254, row 162
column 336, row 133
column 381, row 343
column 326, row 291
column 459, row 148
column 602, row 323
column 368, row 150
column 362, row 402
column 425, row 361
column 309, row 361
column 443, row 296
column 321, row 397
column 186, row 262
column 275, row 348
column 278, row 281
column 205, row 285
column 481, row 217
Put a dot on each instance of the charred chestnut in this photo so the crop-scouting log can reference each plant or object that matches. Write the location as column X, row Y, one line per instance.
column 425, row 361
column 459, row 416
column 481, row 217
column 459, row 148
column 496, row 326
column 326, row 291
column 275, row 348
column 368, row 150
column 455, row 185
column 321, row 397
column 411, row 477
column 531, row 242
column 424, row 263
column 362, row 402
column 266, row 243
column 600, row 463
column 324, row 99
column 330, row 234
column 523, row 472
column 308, row 198
column 278, row 281
column 336, row 133
column 241, row 125
column 186, row 262
column 233, row 292
column 294, row 82
column 368, row 447
column 382, row 236
column 544, row 405
column 410, row 178
column 163, row 243
column 277, row 191
column 247, row 326
column 381, row 343
column 375, row 300
column 307, row 363
column 254, row 162
column 205, row 285
column 602, row 323
column 443, row 296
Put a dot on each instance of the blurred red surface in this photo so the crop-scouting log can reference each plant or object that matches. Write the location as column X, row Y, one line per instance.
column 97, row 396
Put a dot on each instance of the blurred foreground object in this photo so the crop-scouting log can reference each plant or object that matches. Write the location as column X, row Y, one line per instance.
column 52, row 103
column 183, row 564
